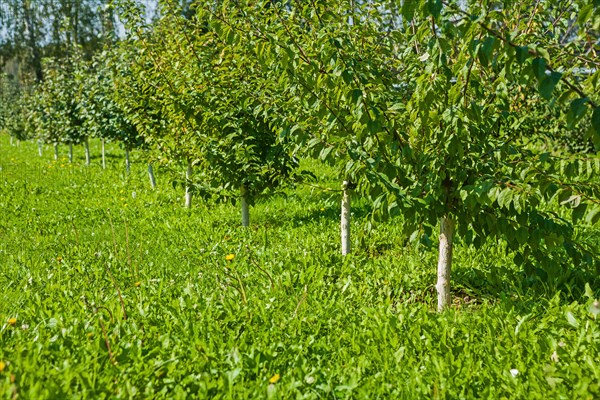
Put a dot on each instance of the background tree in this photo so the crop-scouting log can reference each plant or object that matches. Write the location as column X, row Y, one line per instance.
column 207, row 98
column 33, row 30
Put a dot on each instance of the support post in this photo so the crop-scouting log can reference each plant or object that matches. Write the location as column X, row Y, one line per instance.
column 127, row 162
column 103, row 155
column 188, row 187
column 87, row 152
column 151, row 176
column 245, row 209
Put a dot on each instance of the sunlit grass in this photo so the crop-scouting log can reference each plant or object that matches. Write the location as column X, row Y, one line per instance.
column 111, row 289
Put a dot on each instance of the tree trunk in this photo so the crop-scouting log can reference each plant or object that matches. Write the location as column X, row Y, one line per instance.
column 445, row 262
column 87, row 152
column 70, row 152
column 12, row 141
column 188, row 187
column 56, row 151
column 127, row 162
column 151, row 176
column 345, row 219
column 40, row 148
column 245, row 209
column 103, row 155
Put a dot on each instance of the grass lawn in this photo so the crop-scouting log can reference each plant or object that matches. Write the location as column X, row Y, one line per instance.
column 113, row 290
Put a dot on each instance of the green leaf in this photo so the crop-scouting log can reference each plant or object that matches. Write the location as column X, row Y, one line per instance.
column 572, row 320
column 595, row 127
column 538, row 66
column 356, row 95
column 486, row 50
column 576, row 111
column 522, row 53
column 547, row 84
column 522, row 235
column 505, row 197
column 579, row 212
column 408, row 10
column 518, row 259
column 593, row 215
column 434, row 7
column 585, row 14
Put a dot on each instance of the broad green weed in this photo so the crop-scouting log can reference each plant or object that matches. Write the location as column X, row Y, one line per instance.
column 113, row 290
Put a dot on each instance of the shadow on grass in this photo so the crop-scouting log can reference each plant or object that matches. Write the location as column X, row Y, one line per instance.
column 297, row 215
column 538, row 283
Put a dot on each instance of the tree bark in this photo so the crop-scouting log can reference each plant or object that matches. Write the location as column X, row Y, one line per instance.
column 444, row 262
column 40, row 148
column 188, row 187
column 55, row 151
column 70, row 152
column 127, row 162
column 103, row 155
column 245, row 209
column 151, row 176
column 345, row 219
column 87, row 152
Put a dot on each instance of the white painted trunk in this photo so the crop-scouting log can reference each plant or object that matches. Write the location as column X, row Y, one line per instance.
column 151, row 176
column 87, row 152
column 245, row 209
column 188, row 188
column 444, row 262
column 345, row 219
column 127, row 162
column 40, row 149
column 12, row 141
column 103, row 155
column 56, row 151
column 70, row 152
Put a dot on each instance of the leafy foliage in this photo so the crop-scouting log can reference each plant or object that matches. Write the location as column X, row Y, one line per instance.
column 57, row 108
column 204, row 99
column 420, row 115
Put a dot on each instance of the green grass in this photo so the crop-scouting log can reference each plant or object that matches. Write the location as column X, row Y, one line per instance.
column 73, row 237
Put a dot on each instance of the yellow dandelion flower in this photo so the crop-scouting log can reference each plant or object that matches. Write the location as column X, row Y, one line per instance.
column 2, row 366
column 12, row 321
column 90, row 334
column 230, row 257
column 275, row 378
column 137, row 284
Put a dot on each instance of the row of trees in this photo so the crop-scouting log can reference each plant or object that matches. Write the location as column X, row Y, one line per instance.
column 438, row 111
